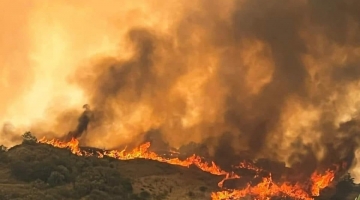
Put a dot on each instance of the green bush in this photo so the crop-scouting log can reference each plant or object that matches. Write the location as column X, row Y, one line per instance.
column 102, row 179
column 40, row 170
column 45, row 168
column 20, row 170
column 29, row 166
column 82, row 189
column 28, row 138
column 65, row 172
column 55, row 179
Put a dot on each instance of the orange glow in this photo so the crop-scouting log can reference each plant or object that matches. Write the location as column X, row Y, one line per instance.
column 213, row 67
column 262, row 191
column 267, row 188
column 321, row 181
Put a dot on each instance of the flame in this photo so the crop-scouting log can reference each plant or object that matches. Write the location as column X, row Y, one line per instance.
column 247, row 165
column 267, row 188
column 321, row 181
column 262, row 191
column 139, row 152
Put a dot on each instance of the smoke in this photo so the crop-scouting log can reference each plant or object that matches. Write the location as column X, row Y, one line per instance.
column 277, row 79
column 13, row 56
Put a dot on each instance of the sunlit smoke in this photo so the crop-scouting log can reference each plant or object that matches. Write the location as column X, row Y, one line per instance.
column 278, row 78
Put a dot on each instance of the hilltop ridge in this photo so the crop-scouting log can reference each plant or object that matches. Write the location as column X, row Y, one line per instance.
column 40, row 171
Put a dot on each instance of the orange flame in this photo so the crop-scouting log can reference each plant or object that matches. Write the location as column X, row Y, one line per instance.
column 321, row 181
column 262, row 191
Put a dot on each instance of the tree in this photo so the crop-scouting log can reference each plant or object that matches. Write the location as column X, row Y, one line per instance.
column 28, row 138
column 3, row 148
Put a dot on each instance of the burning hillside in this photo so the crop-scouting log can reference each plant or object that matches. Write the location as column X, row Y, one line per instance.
column 262, row 189
column 272, row 85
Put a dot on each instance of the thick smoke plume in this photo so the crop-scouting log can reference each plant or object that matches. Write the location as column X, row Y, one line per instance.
column 276, row 79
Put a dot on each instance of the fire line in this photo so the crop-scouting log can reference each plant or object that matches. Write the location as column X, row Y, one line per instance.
column 262, row 191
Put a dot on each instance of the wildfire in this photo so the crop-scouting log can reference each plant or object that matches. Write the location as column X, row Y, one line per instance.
column 321, row 181
column 262, row 191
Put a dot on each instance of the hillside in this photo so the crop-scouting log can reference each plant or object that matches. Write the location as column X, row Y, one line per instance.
column 40, row 171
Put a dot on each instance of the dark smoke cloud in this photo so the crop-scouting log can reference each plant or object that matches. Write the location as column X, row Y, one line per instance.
column 276, row 24
column 337, row 19
column 286, row 36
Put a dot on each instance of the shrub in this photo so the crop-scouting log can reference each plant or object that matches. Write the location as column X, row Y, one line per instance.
column 102, row 179
column 41, row 170
column 82, row 189
column 31, row 171
column 55, row 179
column 20, row 170
column 345, row 186
column 65, row 172
column 28, row 138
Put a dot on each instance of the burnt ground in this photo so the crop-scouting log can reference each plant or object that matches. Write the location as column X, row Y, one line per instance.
column 38, row 171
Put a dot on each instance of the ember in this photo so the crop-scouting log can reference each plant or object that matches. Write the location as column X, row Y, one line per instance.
column 264, row 190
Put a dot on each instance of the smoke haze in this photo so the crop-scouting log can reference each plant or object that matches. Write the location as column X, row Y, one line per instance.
column 278, row 79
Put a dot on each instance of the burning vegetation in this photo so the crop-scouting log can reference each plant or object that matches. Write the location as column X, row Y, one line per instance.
column 264, row 188
column 264, row 92
column 58, row 170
